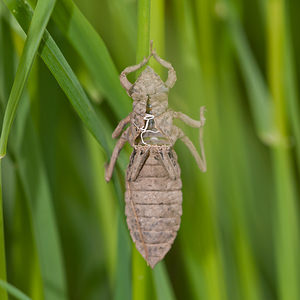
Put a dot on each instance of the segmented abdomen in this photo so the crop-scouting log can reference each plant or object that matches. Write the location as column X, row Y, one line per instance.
column 153, row 200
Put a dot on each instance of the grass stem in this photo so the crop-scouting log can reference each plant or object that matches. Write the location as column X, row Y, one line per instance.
column 286, row 221
column 3, row 293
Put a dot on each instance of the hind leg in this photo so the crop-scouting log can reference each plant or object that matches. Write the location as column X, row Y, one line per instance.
column 201, row 160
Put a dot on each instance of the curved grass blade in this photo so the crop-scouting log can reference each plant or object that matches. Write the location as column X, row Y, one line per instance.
column 13, row 291
column 40, row 203
column 63, row 73
column 36, row 30
column 93, row 52
column 6, row 58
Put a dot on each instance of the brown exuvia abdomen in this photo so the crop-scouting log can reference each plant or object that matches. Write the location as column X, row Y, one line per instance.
column 153, row 201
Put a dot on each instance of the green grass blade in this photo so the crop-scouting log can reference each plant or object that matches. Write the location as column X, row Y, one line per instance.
column 214, row 270
column 13, row 291
column 120, row 259
column 157, row 32
column 143, row 34
column 261, row 105
column 33, row 279
column 239, row 181
column 27, row 153
column 287, row 217
column 5, row 76
column 6, row 58
column 123, row 288
column 93, row 52
column 63, row 73
column 36, row 30
column 292, row 93
column 107, row 211
column 141, row 277
column 123, row 17
column 162, row 283
column 3, row 293
column 68, row 81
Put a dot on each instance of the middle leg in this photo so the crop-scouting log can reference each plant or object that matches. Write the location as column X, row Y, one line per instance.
column 120, row 144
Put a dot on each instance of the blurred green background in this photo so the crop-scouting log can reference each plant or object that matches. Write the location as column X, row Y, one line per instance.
column 63, row 234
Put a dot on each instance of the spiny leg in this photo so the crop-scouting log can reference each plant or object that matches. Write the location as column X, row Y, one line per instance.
column 123, row 79
column 120, row 127
column 120, row 144
column 193, row 123
column 171, row 72
column 189, row 121
column 201, row 162
column 137, row 163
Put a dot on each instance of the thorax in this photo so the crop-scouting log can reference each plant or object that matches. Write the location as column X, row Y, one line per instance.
column 150, row 118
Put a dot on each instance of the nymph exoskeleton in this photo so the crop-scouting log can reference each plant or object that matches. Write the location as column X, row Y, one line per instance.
column 153, row 185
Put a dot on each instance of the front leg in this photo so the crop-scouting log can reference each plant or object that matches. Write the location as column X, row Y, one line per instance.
column 127, row 85
column 120, row 144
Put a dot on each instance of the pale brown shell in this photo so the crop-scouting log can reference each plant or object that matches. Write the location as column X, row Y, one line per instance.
column 153, row 185
column 154, row 204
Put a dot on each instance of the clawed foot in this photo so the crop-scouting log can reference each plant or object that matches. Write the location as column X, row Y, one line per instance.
column 202, row 118
column 107, row 175
column 146, row 59
column 152, row 50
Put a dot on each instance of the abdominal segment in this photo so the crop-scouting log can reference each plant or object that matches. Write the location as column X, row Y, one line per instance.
column 153, row 201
